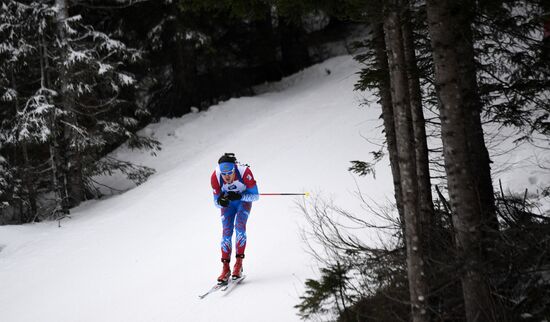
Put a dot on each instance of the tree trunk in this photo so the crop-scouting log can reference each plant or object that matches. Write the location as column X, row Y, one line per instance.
column 70, row 171
column 184, row 71
column 425, row 201
column 480, row 162
column 60, row 205
column 407, row 164
column 294, row 52
column 76, row 179
column 29, row 185
column 387, row 112
column 26, row 216
column 269, row 49
column 467, row 213
column 419, row 126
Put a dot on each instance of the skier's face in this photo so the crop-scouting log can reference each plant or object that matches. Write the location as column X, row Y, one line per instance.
column 228, row 177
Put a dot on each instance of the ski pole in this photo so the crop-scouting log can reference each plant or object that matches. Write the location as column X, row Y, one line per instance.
column 285, row 194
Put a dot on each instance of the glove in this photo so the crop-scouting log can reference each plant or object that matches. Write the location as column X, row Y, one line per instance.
column 233, row 195
column 223, row 200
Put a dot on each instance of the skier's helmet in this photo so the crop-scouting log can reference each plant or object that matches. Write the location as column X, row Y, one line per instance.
column 227, row 162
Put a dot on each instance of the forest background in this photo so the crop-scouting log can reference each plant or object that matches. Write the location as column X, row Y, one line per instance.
column 78, row 78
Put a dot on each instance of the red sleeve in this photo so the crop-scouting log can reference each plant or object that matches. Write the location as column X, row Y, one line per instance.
column 216, row 189
column 248, row 178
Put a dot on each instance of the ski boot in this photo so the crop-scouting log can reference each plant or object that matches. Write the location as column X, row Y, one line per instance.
column 226, row 272
column 238, row 268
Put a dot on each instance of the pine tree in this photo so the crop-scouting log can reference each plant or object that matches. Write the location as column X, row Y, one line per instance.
column 78, row 109
column 26, row 124
column 375, row 76
column 90, row 84
column 407, row 161
column 446, row 21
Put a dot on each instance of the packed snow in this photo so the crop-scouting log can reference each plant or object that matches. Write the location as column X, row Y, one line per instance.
column 146, row 253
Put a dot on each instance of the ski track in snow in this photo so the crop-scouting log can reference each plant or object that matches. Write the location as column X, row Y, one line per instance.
column 146, row 254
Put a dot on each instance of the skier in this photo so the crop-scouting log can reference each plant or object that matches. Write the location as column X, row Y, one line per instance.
column 234, row 190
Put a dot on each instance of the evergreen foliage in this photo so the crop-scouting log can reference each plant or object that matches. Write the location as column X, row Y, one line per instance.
column 79, row 78
column 329, row 291
column 65, row 85
column 514, row 75
column 362, row 283
column 504, row 79
column 363, row 168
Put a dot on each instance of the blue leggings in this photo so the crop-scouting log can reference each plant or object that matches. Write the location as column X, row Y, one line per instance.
column 234, row 217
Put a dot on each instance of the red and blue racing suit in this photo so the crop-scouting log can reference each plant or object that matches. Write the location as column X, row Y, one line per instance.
column 235, row 215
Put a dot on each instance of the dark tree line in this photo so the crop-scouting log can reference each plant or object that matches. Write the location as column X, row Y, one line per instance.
column 80, row 77
column 468, row 62
column 200, row 52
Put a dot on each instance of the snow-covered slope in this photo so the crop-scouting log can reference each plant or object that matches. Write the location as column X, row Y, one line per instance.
column 146, row 254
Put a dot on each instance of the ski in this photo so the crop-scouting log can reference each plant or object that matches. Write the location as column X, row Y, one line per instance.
column 214, row 288
column 224, row 287
column 232, row 284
